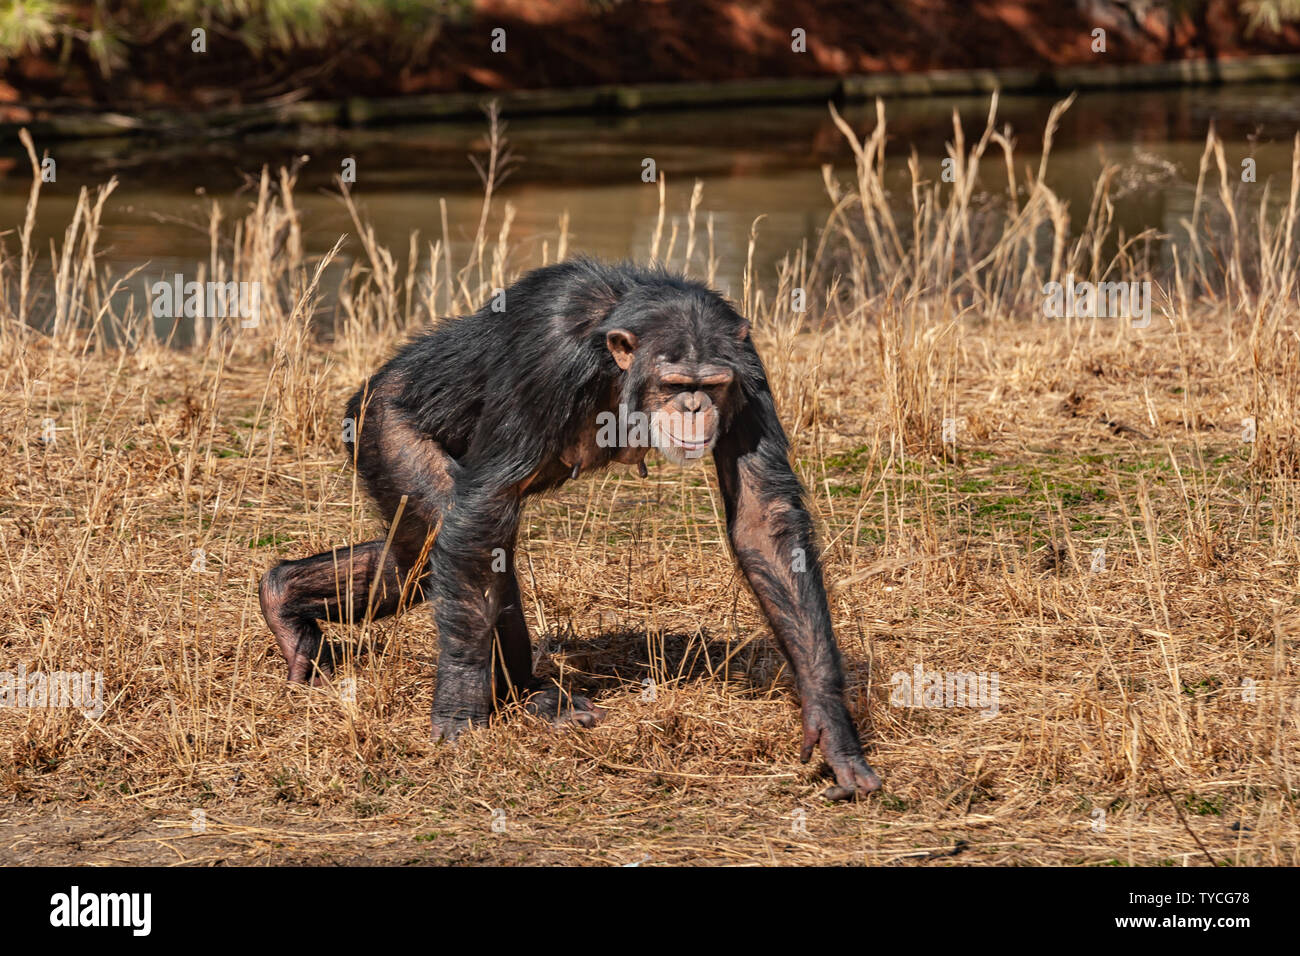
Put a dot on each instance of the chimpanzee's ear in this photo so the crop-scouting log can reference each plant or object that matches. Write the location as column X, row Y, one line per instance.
column 742, row 332
column 621, row 344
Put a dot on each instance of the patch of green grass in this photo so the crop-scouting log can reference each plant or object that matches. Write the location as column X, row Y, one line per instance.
column 857, row 458
column 844, row 491
column 1206, row 685
column 289, row 785
column 380, row 783
column 1203, row 806
column 888, row 801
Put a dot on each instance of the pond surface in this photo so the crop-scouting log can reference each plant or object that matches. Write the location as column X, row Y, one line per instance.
column 754, row 161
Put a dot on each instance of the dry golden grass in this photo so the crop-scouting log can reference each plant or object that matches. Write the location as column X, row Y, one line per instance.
column 1120, row 689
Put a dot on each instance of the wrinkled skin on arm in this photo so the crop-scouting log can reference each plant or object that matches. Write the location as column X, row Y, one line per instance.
column 771, row 534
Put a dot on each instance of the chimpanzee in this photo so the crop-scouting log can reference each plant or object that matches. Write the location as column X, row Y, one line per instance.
column 587, row 363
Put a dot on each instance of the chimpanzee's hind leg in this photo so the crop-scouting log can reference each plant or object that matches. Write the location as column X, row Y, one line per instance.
column 512, row 654
column 410, row 477
column 343, row 585
column 513, row 667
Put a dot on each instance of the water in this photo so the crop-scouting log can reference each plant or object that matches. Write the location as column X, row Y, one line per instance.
column 753, row 161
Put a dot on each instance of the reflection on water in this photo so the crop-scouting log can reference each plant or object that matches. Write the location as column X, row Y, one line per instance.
column 753, row 161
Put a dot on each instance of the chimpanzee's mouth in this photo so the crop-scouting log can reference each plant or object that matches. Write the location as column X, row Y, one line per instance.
column 683, row 443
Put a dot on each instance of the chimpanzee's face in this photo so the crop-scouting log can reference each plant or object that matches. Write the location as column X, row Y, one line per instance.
column 685, row 401
column 682, row 378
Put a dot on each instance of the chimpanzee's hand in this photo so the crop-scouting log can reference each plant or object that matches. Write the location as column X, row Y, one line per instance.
column 828, row 725
column 448, row 727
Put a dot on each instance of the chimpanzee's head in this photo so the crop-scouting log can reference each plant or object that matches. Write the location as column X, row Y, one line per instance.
column 684, row 351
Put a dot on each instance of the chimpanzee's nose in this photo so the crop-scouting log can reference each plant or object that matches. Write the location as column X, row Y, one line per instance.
column 692, row 401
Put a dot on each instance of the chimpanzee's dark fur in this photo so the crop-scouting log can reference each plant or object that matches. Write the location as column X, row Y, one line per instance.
column 480, row 412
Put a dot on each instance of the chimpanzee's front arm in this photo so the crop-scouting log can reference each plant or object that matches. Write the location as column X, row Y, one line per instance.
column 771, row 534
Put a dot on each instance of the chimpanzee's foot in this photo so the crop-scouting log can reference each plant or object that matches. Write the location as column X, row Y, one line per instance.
column 543, row 699
column 309, row 657
column 310, row 662
column 562, row 709
column 321, row 673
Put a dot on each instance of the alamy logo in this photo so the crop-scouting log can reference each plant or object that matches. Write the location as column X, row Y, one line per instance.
column 75, row 908
column 207, row 300
column 923, row 688
column 84, row 690
column 1098, row 300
